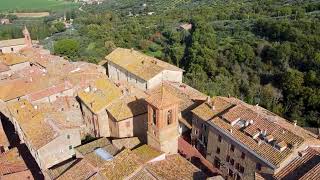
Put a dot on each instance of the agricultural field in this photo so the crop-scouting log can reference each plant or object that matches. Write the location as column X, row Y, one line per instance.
column 35, row 5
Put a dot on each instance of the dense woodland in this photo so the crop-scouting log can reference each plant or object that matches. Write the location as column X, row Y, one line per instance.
column 264, row 52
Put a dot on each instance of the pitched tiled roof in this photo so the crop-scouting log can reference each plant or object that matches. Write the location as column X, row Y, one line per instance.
column 100, row 94
column 11, row 162
column 82, row 170
column 174, row 167
column 212, row 108
column 251, row 125
column 306, row 166
column 123, row 165
column 128, row 143
column 146, row 153
column 12, row 59
column 91, row 146
column 162, row 97
column 3, row 67
column 32, row 122
column 127, row 107
column 139, row 64
column 12, row 42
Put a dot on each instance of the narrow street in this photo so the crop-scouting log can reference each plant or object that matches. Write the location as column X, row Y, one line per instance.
column 191, row 153
column 22, row 148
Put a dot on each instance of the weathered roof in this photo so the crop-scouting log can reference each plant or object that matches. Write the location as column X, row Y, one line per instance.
column 211, row 108
column 128, row 143
column 127, row 107
column 32, row 121
column 12, row 42
column 139, row 64
column 304, row 167
column 12, row 59
column 123, row 165
column 99, row 143
column 162, row 97
column 174, row 167
column 146, row 153
column 251, row 125
column 99, row 95
column 11, row 162
column 58, row 169
column 81, row 170
column 24, row 86
column 3, row 67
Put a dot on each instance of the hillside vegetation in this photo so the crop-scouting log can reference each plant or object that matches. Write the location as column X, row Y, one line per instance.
column 35, row 5
column 264, row 52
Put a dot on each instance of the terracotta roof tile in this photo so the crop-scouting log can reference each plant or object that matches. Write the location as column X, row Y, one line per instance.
column 251, row 125
column 12, row 59
column 162, row 97
column 81, row 170
column 127, row 107
column 11, row 162
column 99, row 95
column 32, row 122
column 139, row 64
column 174, row 167
column 306, row 166
column 12, row 42
column 123, row 165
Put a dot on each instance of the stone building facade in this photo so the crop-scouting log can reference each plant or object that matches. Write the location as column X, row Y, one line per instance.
column 15, row 45
column 143, row 71
column 245, row 141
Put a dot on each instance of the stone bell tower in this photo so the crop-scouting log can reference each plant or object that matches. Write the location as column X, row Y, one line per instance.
column 27, row 37
column 163, row 110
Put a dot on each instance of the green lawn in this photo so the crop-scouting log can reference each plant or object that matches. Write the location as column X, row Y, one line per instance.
column 35, row 5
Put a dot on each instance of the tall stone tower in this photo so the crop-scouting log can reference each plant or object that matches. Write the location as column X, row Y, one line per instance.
column 27, row 37
column 163, row 110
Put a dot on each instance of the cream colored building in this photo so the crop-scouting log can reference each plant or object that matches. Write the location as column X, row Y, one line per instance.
column 143, row 71
column 15, row 45
column 47, row 139
column 244, row 141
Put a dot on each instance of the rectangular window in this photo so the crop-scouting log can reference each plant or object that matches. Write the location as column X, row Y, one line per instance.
column 243, row 155
column 217, row 162
column 228, row 158
column 68, row 136
column 169, row 117
column 154, row 116
column 237, row 166
column 232, row 162
column 70, row 147
column 258, row 166
column 12, row 49
column 242, row 169
column 232, row 148
column 218, row 150
column 219, row 138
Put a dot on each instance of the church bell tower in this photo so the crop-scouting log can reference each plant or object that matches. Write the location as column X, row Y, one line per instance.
column 163, row 110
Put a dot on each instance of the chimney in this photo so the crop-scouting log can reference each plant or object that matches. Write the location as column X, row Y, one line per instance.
column 208, row 100
column 295, row 123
